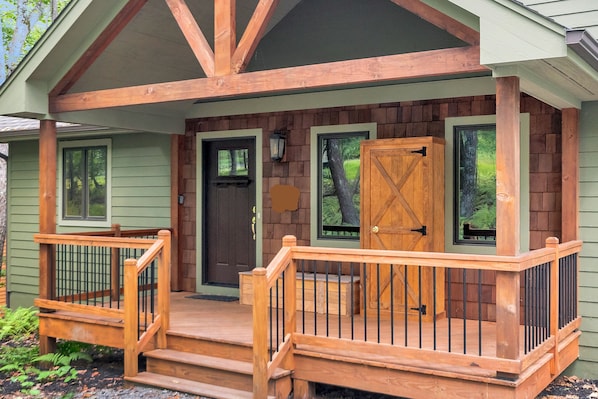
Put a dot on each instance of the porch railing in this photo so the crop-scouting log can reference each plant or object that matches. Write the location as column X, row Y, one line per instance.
column 499, row 313
column 120, row 278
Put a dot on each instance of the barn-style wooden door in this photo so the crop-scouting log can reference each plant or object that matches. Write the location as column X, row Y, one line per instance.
column 402, row 208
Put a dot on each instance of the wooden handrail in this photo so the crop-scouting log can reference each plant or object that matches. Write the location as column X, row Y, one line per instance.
column 510, row 357
column 91, row 241
column 133, row 345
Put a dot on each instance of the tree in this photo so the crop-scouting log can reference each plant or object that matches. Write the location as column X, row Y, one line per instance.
column 23, row 23
column 343, row 189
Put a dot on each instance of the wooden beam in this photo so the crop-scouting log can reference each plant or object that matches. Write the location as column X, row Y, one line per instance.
column 99, row 45
column 444, row 62
column 225, row 35
column 442, row 21
column 193, row 34
column 508, row 170
column 253, row 34
column 570, row 175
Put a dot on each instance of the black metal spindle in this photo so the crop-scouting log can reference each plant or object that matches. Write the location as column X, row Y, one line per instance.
column 339, row 279
column 327, row 291
column 464, row 310
column 378, row 301
column 352, row 301
column 405, row 305
column 480, row 312
column 420, row 303
column 449, row 306
column 303, row 296
column 392, row 306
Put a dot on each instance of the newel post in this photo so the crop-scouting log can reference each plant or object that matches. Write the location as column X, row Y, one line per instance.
column 131, row 328
column 290, row 300
column 260, row 333
column 164, row 286
column 553, row 243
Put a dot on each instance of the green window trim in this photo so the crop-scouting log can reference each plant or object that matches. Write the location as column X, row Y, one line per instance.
column 84, row 178
column 321, row 226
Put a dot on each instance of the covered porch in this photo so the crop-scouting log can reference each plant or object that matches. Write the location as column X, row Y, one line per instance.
column 268, row 349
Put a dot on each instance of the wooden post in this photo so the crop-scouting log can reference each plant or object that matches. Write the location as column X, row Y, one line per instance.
column 175, row 208
column 225, row 36
column 47, row 219
column 260, row 333
column 164, row 287
column 290, row 300
column 131, row 327
column 508, row 191
column 508, row 168
column 115, row 267
column 553, row 243
column 570, row 175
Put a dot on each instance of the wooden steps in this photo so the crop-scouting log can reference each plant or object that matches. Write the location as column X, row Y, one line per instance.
column 192, row 387
column 222, row 374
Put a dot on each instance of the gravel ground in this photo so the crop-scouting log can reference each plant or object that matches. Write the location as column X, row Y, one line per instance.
column 102, row 379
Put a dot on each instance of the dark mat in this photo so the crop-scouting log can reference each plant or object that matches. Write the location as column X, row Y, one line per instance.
column 221, row 298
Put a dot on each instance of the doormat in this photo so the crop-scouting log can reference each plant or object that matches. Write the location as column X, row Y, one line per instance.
column 207, row 297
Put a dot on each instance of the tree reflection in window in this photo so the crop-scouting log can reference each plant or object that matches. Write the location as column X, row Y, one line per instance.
column 84, row 187
column 475, row 185
column 338, row 184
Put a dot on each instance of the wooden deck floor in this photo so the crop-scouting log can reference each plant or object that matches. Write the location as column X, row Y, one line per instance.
column 230, row 321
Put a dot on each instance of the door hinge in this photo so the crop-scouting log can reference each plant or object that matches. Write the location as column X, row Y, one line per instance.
column 423, row 151
column 423, row 231
column 421, row 309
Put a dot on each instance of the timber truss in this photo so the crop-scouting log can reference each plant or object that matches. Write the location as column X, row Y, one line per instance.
column 225, row 64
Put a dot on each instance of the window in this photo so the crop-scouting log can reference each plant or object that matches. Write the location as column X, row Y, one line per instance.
column 233, row 162
column 470, row 184
column 475, row 184
column 336, row 168
column 85, row 183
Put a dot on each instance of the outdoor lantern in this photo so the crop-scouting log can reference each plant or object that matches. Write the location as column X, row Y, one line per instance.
column 277, row 145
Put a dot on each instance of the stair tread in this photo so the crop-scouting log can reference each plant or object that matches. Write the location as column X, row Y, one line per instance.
column 209, row 361
column 188, row 386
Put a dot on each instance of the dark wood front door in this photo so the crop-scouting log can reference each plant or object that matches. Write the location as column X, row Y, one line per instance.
column 229, row 210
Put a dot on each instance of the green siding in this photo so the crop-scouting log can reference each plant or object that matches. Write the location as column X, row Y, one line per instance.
column 23, row 222
column 140, row 199
column 587, row 365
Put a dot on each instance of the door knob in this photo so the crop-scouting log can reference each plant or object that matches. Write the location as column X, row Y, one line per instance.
column 375, row 229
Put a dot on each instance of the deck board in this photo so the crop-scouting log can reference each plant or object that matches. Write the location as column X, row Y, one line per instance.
column 231, row 321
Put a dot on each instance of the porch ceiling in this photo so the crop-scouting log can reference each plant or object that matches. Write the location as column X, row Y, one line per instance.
column 152, row 49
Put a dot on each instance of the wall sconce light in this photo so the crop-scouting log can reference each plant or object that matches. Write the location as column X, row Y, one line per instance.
column 278, row 142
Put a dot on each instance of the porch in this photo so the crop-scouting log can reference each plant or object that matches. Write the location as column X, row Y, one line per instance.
column 270, row 348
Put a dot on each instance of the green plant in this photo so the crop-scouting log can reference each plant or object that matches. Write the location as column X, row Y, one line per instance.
column 20, row 361
column 17, row 324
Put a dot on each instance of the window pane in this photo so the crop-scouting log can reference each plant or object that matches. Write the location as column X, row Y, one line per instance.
column 233, row 162
column 338, row 185
column 73, row 182
column 475, row 208
column 96, row 182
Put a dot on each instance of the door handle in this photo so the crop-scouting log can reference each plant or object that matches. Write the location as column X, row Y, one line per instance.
column 253, row 220
column 375, row 229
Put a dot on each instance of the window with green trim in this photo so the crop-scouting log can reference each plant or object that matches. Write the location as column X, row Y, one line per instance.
column 85, row 182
